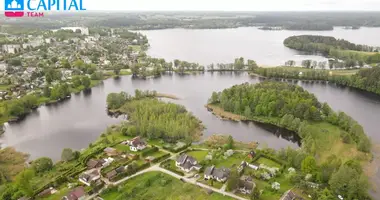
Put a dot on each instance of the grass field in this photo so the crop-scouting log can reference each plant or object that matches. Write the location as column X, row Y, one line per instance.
column 268, row 162
column 198, row 155
column 231, row 161
column 159, row 186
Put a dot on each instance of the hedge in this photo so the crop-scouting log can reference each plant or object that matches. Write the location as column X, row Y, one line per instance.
column 161, row 158
column 149, row 151
column 260, row 154
column 176, row 150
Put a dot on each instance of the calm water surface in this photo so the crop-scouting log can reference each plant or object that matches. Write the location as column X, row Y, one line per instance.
column 224, row 45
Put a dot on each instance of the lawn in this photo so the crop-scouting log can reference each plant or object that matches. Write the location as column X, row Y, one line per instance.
column 198, row 155
column 61, row 192
column 211, row 183
column 156, row 154
column 124, row 148
column 231, row 161
column 267, row 162
column 159, row 186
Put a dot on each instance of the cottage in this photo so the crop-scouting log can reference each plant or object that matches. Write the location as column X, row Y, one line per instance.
column 289, row 195
column 187, row 163
column 136, row 144
column 47, row 192
column 111, row 151
column 110, row 175
column 92, row 163
column 76, row 194
column 246, row 186
column 90, row 176
column 220, row 174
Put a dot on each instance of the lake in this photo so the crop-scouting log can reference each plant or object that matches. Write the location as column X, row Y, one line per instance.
column 224, row 45
column 77, row 122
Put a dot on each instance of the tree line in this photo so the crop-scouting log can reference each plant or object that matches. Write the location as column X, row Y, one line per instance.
column 332, row 47
column 293, row 73
column 291, row 104
column 365, row 79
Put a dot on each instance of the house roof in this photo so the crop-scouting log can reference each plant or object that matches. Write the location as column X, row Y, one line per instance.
column 289, row 195
column 111, row 174
column 120, row 169
column 209, row 170
column 92, row 163
column 76, row 193
column 137, row 142
column 221, row 172
column 248, row 185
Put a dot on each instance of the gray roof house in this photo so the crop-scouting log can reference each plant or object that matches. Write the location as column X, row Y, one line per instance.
column 220, row 174
column 187, row 163
column 246, row 187
column 88, row 177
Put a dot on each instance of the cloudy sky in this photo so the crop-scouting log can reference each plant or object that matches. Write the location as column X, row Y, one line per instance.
column 233, row 5
column 228, row 5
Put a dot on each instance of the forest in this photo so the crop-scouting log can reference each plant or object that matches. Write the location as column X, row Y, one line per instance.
column 291, row 104
column 152, row 118
column 365, row 79
column 332, row 47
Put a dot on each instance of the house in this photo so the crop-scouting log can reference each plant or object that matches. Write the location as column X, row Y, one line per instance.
column 112, row 174
column 111, row 151
column 220, row 174
column 76, row 194
column 90, row 176
column 107, row 161
column 136, row 144
column 149, row 159
column 92, row 163
column 289, row 195
column 251, row 154
column 47, row 192
column 187, row 163
column 246, row 186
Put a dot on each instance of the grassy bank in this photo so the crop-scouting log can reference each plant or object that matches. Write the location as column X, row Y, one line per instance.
column 169, row 96
column 159, row 186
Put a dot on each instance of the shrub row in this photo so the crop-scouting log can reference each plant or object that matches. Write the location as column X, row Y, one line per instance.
column 161, row 158
column 176, row 150
column 149, row 151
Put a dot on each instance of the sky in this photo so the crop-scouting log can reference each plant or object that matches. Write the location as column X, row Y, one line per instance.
column 228, row 5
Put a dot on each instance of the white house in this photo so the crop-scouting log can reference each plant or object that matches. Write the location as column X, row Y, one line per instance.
column 187, row 163
column 220, row 174
column 136, row 144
